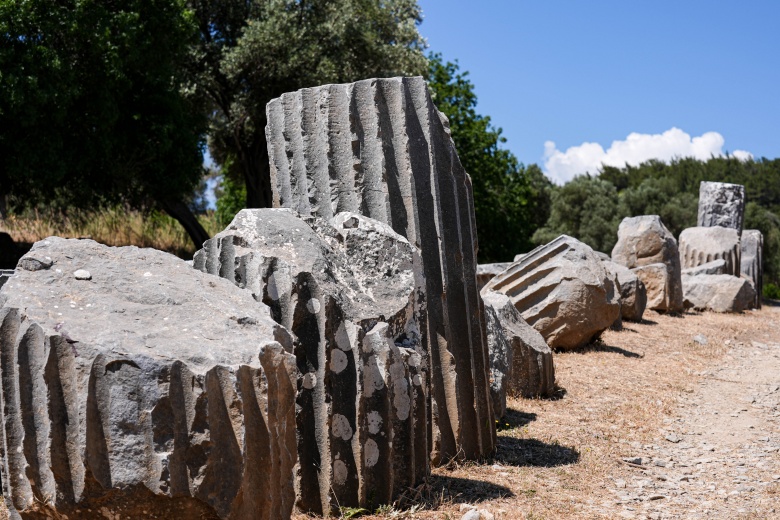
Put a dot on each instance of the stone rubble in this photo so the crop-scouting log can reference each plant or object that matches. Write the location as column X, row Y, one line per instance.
column 380, row 148
column 350, row 290
column 714, row 267
column 149, row 389
column 562, row 290
column 718, row 292
column 645, row 246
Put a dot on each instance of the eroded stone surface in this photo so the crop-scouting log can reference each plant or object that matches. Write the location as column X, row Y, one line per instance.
column 521, row 363
column 350, row 291
column 380, row 148
column 752, row 261
column 644, row 241
column 633, row 294
column 718, row 292
column 137, row 395
column 701, row 245
column 563, row 290
column 721, row 204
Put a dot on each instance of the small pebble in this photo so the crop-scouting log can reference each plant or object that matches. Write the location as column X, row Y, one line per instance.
column 82, row 274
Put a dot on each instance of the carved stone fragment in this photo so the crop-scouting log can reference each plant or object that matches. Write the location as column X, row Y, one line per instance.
column 348, row 290
column 149, row 389
column 643, row 242
column 562, row 290
column 380, row 148
column 521, row 363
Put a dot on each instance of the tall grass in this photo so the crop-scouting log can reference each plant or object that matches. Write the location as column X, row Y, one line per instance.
column 115, row 226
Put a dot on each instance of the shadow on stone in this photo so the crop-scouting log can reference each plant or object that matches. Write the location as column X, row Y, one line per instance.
column 465, row 490
column 532, row 452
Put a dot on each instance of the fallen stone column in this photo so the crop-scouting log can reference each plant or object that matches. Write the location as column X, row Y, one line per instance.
column 643, row 243
column 348, row 290
column 521, row 363
column 563, row 291
column 752, row 262
column 721, row 204
column 701, row 245
column 380, row 148
column 136, row 387
column 486, row 272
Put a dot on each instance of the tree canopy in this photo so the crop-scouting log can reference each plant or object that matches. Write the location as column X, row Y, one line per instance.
column 250, row 52
column 510, row 199
column 91, row 104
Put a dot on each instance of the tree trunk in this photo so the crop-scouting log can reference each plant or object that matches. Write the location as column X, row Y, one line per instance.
column 257, row 174
column 181, row 212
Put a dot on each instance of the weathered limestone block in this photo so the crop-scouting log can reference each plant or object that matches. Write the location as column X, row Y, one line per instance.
column 718, row 292
column 644, row 241
column 348, row 290
column 136, row 387
column 485, row 272
column 380, row 148
column 714, row 267
column 721, row 204
column 701, row 245
column 633, row 294
column 752, row 261
column 563, row 290
column 521, row 363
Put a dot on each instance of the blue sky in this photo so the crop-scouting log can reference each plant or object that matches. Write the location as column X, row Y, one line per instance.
column 680, row 78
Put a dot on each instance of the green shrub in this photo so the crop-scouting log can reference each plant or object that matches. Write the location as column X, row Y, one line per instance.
column 772, row 291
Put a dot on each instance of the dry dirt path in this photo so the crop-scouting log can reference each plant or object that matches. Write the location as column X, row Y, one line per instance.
column 650, row 424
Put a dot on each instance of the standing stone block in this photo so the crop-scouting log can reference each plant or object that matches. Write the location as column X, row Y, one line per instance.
column 643, row 242
column 348, row 289
column 752, row 261
column 701, row 245
column 145, row 389
column 521, row 363
column 563, row 291
column 721, row 204
column 380, row 148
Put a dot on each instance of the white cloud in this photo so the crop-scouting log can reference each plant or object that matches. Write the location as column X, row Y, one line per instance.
column 635, row 149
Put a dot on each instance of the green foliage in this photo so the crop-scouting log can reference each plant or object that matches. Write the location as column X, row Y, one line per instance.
column 510, row 200
column 772, row 291
column 250, row 52
column 91, row 110
column 586, row 208
column 231, row 200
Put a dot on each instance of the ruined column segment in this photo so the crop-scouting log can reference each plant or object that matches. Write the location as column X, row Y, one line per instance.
column 348, row 289
column 136, row 387
column 381, row 149
column 721, row 204
column 701, row 245
column 752, row 261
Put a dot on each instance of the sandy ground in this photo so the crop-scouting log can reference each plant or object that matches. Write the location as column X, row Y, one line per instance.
column 648, row 424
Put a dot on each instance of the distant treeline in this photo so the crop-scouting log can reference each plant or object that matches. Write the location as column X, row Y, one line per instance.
column 590, row 208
